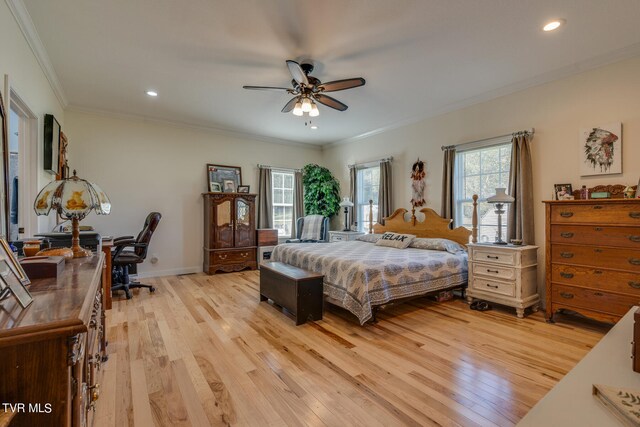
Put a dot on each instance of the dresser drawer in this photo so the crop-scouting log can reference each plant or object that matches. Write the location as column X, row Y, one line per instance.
column 595, row 256
column 627, row 237
column 593, row 299
column 493, row 286
column 493, row 271
column 233, row 256
column 608, row 280
column 493, row 256
column 605, row 213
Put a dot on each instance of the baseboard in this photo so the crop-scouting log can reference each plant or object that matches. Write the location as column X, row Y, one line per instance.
column 171, row 272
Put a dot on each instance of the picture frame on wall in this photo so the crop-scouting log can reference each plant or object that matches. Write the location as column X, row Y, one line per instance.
column 601, row 150
column 563, row 191
column 51, row 153
column 243, row 188
column 221, row 173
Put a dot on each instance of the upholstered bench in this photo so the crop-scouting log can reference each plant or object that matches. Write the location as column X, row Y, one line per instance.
column 297, row 290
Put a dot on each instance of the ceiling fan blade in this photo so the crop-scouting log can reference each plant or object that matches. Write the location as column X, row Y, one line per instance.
column 266, row 88
column 337, row 85
column 297, row 73
column 330, row 102
column 290, row 105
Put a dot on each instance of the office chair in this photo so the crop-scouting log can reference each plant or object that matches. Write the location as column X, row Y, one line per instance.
column 122, row 259
column 324, row 232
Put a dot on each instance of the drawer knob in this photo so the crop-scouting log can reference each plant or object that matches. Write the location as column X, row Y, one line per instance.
column 492, row 271
column 223, row 256
column 566, row 295
column 597, row 207
column 634, row 238
column 634, row 285
column 566, row 275
column 597, row 228
column 492, row 286
column 634, row 215
column 566, row 235
column 566, row 214
column 634, row 261
column 597, row 272
column 598, row 294
column 566, row 254
column 244, row 254
column 598, row 250
column 492, row 257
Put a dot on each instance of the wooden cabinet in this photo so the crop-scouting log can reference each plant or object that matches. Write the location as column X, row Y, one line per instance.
column 51, row 352
column 229, row 232
column 593, row 257
column 504, row 275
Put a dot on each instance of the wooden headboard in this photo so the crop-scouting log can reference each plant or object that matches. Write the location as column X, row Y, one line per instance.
column 433, row 225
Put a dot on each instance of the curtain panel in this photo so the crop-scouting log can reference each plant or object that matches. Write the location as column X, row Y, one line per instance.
column 353, row 176
column 520, row 220
column 265, row 202
column 448, row 176
column 384, row 191
column 298, row 201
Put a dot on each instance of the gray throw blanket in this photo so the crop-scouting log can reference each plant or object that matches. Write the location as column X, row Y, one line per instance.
column 312, row 227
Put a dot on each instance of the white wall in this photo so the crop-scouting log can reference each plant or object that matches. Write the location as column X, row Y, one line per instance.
column 145, row 166
column 29, row 81
column 556, row 110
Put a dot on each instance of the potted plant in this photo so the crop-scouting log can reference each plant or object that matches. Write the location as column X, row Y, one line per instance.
column 321, row 191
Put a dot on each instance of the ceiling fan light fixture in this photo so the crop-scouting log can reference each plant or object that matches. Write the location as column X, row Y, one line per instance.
column 314, row 110
column 306, row 105
column 297, row 109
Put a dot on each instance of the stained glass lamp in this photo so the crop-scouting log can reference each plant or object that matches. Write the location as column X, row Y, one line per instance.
column 73, row 198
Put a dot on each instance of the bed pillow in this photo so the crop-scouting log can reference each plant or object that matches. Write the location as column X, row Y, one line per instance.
column 395, row 240
column 437, row 245
column 370, row 238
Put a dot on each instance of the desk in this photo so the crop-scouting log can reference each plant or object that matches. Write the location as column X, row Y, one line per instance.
column 107, row 244
column 570, row 402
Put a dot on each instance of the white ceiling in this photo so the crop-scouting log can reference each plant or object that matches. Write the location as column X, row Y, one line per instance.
column 420, row 58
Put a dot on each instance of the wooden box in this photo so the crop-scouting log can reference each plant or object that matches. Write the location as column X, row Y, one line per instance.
column 267, row 236
column 43, row 267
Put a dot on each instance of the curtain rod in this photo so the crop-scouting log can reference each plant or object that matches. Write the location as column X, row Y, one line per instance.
column 278, row 168
column 529, row 131
column 386, row 159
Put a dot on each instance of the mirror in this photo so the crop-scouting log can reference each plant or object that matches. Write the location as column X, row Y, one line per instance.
column 4, row 206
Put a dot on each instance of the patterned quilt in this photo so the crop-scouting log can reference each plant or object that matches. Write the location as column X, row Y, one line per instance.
column 361, row 275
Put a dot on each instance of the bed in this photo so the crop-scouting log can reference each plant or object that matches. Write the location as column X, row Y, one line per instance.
column 361, row 276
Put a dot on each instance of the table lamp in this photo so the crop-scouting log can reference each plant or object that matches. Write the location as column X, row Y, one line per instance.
column 73, row 198
column 500, row 198
column 346, row 204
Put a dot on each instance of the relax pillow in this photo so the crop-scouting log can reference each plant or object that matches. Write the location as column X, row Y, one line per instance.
column 395, row 240
column 370, row 238
column 437, row 245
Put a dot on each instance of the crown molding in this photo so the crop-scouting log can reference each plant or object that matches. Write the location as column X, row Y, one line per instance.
column 22, row 17
column 603, row 60
column 190, row 126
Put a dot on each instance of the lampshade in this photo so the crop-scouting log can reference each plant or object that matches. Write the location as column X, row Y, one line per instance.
column 501, row 197
column 297, row 109
column 314, row 110
column 73, row 198
column 346, row 203
column 306, row 105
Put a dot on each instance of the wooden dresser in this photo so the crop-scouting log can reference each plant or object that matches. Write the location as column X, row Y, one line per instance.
column 229, row 232
column 51, row 351
column 593, row 257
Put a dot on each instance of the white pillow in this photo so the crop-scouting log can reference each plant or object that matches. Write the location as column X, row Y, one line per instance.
column 395, row 240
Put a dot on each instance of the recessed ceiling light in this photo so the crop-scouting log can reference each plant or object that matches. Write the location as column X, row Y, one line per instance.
column 553, row 25
column 314, row 127
column 152, row 93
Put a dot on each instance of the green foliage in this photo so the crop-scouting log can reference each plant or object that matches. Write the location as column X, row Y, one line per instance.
column 321, row 191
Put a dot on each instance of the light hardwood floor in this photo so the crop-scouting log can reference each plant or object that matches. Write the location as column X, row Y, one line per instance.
column 202, row 350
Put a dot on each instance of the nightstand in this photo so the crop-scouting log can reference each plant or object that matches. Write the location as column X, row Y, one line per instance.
column 344, row 236
column 504, row 275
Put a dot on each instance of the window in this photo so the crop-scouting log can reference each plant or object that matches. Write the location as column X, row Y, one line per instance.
column 368, row 181
column 480, row 171
column 282, row 196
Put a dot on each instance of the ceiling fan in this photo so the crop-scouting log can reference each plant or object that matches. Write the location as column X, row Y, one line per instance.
column 308, row 89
